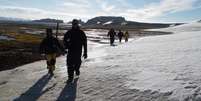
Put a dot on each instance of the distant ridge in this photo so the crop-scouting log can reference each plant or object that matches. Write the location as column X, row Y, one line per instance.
column 121, row 22
column 100, row 22
column 48, row 20
column 12, row 19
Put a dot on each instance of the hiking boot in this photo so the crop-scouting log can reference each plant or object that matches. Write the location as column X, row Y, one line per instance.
column 77, row 73
column 70, row 80
column 50, row 72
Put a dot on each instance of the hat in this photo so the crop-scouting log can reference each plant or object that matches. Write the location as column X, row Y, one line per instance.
column 48, row 30
column 75, row 22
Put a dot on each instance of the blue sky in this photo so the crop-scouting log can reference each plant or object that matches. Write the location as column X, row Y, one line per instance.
column 135, row 10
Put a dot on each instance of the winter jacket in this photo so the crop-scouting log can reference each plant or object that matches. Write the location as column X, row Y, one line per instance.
column 50, row 45
column 74, row 40
column 120, row 34
column 111, row 34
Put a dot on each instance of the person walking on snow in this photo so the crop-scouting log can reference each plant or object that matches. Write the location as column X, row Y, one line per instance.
column 126, row 35
column 50, row 46
column 74, row 40
column 120, row 35
column 111, row 34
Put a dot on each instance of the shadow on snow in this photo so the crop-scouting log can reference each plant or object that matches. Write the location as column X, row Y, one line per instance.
column 69, row 92
column 33, row 93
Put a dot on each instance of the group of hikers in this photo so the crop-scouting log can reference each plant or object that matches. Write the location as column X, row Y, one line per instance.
column 73, row 42
column 120, row 35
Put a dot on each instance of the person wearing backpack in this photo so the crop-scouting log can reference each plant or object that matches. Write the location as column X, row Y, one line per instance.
column 50, row 46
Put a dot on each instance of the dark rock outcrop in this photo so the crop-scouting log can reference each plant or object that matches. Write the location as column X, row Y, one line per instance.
column 48, row 20
column 120, row 23
column 103, row 20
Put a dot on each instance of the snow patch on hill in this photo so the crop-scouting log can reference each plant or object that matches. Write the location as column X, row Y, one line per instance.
column 107, row 23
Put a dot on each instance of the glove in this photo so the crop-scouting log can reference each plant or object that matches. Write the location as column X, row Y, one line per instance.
column 64, row 52
column 85, row 56
column 42, row 54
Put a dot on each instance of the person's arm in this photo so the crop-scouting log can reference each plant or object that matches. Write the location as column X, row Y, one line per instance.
column 59, row 45
column 41, row 47
column 66, row 40
column 108, row 34
column 85, row 45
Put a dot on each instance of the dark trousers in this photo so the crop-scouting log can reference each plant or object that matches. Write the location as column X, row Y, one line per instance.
column 126, row 39
column 51, row 60
column 120, row 39
column 73, row 65
column 111, row 41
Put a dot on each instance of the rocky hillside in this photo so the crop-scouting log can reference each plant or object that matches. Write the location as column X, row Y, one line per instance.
column 106, row 20
column 48, row 20
column 120, row 22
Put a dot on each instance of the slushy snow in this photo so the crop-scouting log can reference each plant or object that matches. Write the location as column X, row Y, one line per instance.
column 182, row 28
column 155, row 68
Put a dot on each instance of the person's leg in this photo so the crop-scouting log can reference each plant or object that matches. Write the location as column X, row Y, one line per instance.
column 48, row 59
column 53, row 61
column 70, row 72
column 70, row 69
column 110, row 41
column 77, row 67
column 48, row 64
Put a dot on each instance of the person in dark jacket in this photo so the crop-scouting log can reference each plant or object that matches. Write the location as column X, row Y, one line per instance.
column 120, row 35
column 111, row 34
column 50, row 47
column 74, row 40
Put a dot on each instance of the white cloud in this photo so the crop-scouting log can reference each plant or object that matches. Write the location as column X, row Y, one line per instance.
column 34, row 13
column 158, row 9
column 86, row 9
column 20, row 12
column 107, row 8
column 76, row 4
column 69, row 4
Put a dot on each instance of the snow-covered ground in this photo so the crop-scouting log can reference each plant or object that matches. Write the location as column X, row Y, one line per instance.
column 182, row 28
column 156, row 68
